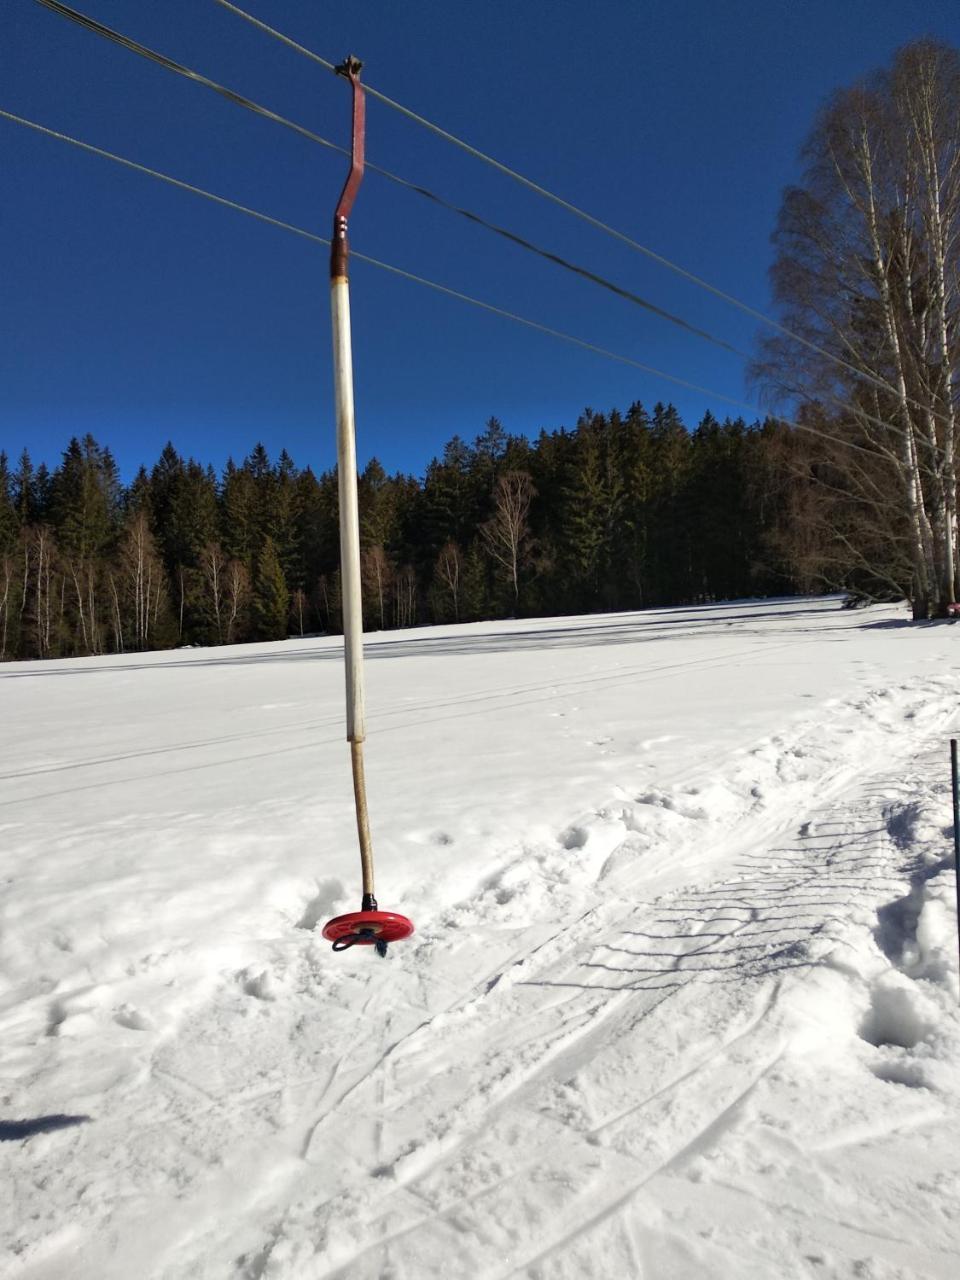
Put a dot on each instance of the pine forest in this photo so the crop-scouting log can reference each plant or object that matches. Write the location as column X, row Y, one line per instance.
column 625, row 511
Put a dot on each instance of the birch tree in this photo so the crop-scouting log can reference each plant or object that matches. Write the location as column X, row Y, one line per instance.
column 143, row 582
column 866, row 274
column 405, row 598
column 214, row 563
column 7, row 583
column 447, row 575
column 38, row 589
column 237, row 597
column 506, row 534
column 376, row 573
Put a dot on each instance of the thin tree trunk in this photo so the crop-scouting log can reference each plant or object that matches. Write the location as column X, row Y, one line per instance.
column 5, row 608
column 80, row 609
column 913, row 492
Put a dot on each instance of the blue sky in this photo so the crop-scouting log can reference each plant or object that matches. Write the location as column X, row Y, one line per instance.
column 143, row 314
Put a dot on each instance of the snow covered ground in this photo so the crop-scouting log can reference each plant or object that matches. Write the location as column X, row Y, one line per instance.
column 683, row 996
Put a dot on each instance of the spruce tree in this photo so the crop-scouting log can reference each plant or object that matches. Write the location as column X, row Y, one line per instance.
column 239, row 514
column 271, row 599
column 84, row 499
column 631, row 456
column 25, row 490
column 671, row 506
column 8, row 513
column 183, row 504
column 264, row 489
column 285, row 523
column 316, row 504
column 584, row 514
column 475, row 594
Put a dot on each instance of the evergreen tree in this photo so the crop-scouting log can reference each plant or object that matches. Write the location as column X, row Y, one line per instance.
column 84, row 499
column 8, row 512
column 25, row 498
column 264, row 486
column 486, row 463
column 285, row 520
column 137, row 497
column 441, row 506
column 183, row 507
column 670, row 509
column 475, row 586
column 239, row 516
column 583, row 518
column 631, row 456
column 624, row 511
column 271, row 599
column 317, row 507
column 43, row 486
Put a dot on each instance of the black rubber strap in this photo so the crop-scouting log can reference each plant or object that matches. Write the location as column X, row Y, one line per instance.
column 349, row 940
column 366, row 936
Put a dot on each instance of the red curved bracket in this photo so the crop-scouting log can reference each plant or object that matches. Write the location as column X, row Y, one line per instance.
column 339, row 250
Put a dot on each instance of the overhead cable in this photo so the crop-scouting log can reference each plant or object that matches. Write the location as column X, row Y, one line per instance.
column 231, row 95
column 163, row 177
column 430, row 284
column 98, row 28
column 593, row 221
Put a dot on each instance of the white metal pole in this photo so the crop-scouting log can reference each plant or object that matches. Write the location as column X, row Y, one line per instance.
column 349, row 510
column 347, row 482
column 350, row 567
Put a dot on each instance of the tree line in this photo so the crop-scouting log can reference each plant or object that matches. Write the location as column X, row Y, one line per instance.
column 624, row 511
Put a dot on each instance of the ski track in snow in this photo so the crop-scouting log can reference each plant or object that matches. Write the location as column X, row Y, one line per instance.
column 704, row 1028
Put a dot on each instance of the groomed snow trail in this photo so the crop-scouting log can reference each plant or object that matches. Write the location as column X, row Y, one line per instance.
column 702, row 1026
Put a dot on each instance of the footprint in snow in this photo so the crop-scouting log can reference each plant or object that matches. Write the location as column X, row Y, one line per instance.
column 132, row 1018
column 329, row 892
column 259, row 985
column 573, row 838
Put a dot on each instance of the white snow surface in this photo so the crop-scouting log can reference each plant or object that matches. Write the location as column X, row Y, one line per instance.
column 682, row 1001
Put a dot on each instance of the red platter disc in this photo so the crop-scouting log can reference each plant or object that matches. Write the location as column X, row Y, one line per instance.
column 369, row 927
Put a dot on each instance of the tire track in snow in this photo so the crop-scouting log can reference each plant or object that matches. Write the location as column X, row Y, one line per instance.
column 344, row 1269
column 712, row 1127
column 625, row 676
column 765, row 901
column 672, row 1085
column 525, row 1077
column 457, row 701
column 557, row 959
column 846, row 1237
column 703, row 1137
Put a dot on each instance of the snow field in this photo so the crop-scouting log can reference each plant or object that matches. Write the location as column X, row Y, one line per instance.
column 681, row 1003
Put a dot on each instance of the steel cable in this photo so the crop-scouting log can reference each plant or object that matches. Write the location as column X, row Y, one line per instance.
column 231, row 95
column 430, row 284
column 98, row 28
column 593, row 221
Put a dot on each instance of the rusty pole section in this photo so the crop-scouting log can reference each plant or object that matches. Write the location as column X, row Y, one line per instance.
column 339, row 250
column 347, row 477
